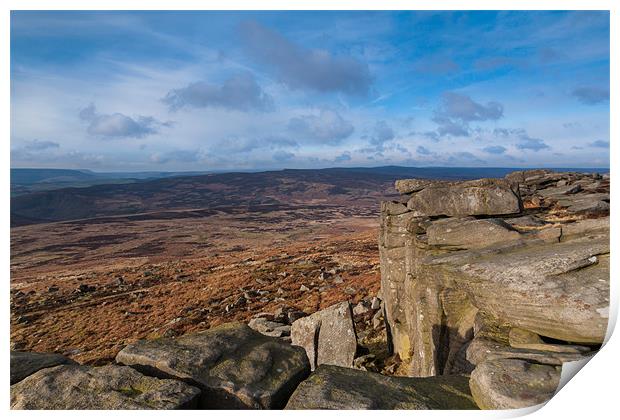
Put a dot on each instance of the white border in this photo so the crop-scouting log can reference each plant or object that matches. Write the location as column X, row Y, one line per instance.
column 592, row 394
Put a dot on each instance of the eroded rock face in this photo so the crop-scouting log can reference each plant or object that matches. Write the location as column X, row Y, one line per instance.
column 24, row 364
column 338, row 388
column 467, row 233
column 469, row 198
column 528, row 252
column 235, row 366
column 512, row 383
column 328, row 336
column 74, row 387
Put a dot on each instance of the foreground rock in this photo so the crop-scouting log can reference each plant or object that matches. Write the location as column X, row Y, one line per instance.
column 24, row 364
column 338, row 388
column 73, row 387
column 512, row 383
column 235, row 366
column 328, row 336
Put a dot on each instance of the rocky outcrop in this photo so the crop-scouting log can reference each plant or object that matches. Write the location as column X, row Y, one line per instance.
column 338, row 388
column 479, row 272
column 233, row 365
column 469, row 198
column 74, row 387
column 24, row 364
column 328, row 336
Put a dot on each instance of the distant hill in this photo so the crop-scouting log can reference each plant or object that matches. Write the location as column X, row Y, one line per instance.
column 27, row 180
column 237, row 191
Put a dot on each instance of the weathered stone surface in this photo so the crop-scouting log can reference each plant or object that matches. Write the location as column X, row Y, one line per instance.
column 556, row 290
column 563, row 190
column 74, row 387
column 586, row 227
column 469, row 198
column 481, row 349
column 361, row 308
column 589, row 206
column 548, row 276
column 338, row 388
column 512, row 383
column 467, row 233
column 235, row 366
column 24, row 364
column 525, row 222
column 328, row 336
column 408, row 186
column 393, row 208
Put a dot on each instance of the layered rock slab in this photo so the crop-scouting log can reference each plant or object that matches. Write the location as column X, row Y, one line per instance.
column 469, row 198
column 74, row 387
column 235, row 366
column 24, row 364
column 512, row 383
column 468, row 232
column 328, row 336
column 556, row 290
column 339, row 388
column 543, row 268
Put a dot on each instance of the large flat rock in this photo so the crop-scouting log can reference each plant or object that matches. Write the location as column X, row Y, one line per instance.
column 235, row 366
column 469, row 198
column 74, row 387
column 556, row 290
column 338, row 388
column 512, row 383
column 24, row 364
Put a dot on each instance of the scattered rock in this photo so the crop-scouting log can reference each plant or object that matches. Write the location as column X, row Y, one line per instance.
column 350, row 290
column 375, row 303
column 85, row 288
column 269, row 328
column 74, row 387
column 361, row 308
column 304, row 288
column 235, row 366
column 377, row 320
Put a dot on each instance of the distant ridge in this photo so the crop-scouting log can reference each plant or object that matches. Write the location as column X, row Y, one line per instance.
column 225, row 191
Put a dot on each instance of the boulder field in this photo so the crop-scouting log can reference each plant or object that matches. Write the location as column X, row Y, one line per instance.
column 487, row 288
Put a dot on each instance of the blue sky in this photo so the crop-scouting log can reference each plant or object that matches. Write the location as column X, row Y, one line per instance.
column 257, row 90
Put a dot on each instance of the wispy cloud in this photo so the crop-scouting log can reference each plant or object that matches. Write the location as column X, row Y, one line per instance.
column 328, row 127
column 457, row 111
column 305, row 68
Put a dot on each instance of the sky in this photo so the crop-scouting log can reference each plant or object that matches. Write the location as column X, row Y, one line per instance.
column 201, row 91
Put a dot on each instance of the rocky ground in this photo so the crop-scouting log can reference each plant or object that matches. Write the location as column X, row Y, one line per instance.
column 86, row 289
column 487, row 287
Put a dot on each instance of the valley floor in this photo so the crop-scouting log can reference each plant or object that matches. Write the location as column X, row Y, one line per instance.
column 87, row 288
